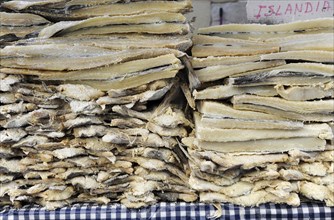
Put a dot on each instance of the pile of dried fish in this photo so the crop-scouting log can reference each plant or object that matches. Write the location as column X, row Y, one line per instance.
column 15, row 26
column 264, row 126
column 89, row 108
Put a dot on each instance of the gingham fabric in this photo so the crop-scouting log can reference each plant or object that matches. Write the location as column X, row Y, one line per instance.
column 169, row 211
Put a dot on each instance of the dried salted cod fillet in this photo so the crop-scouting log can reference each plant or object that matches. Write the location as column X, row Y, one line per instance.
column 306, row 107
column 124, row 111
column 6, row 178
column 143, row 97
column 73, row 172
column 75, row 10
column 161, row 27
column 322, row 131
column 91, row 144
column 63, row 28
column 19, row 25
column 238, row 189
column 162, row 153
column 304, row 93
column 317, row 192
column 118, row 42
column 289, row 74
column 7, row 81
column 286, row 79
column 208, row 108
column 17, row 5
column 306, row 55
column 314, row 169
column 11, row 166
column 135, row 7
column 57, row 195
column 17, row 108
column 171, row 118
column 90, row 131
column 227, row 91
column 291, row 174
column 85, row 182
column 265, row 145
column 252, row 199
column 127, row 123
column 82, row 120
column 31, row 141
column 221, row 181
column 173, row 197
column 323, row 43
column 132, row 80
column 80, row 92
column 67, row 57
column 7, row 152
column 255, row 176
column 156, row 85
column 83, row 198
column 12, row 135
column 169, row 132
column 320, row 23
column 85, row 107
column 150, row 140
column 223, row 60
column 117, row 70
column 246, row 162
column 7, row 98
column 271, row 36
column 32, row 118
column 68, row 152
column 205, row 46
column 71, row 57
column 230, row 123
column 157, row 165
column 213, row 73
column 22, row 19
column 158, row 176
column 315, row 117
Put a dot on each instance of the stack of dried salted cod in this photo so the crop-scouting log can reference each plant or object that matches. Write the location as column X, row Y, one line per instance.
column 15, row 26
column 265, row 112
column 84, row 111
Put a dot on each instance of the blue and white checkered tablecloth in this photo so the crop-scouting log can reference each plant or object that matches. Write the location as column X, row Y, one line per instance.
column 169, row 211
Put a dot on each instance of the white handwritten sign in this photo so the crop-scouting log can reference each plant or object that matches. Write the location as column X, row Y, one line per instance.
column 286, row 11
